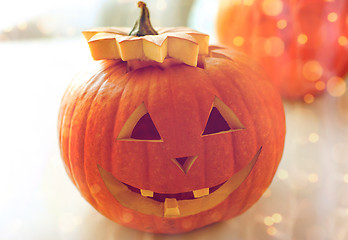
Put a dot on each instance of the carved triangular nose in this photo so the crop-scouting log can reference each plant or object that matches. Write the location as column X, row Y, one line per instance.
column 184, row 163
column 182, row 160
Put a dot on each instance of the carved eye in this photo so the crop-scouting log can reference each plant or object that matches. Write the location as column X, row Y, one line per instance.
column 140, row 126
column 221, row 119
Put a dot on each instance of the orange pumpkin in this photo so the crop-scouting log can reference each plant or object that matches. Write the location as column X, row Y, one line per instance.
column 301, row 44
column 165, row 146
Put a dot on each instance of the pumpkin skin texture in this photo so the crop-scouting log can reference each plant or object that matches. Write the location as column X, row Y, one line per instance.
column 300, row 44
column 179, row 99
column 169, row 134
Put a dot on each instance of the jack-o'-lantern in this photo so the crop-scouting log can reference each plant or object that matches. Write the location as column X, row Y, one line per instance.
column 302, row 45
column 169, row 134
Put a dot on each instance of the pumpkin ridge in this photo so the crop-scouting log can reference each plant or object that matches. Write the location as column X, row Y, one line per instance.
column 114, row 69
column 126, row 78
column 204, row 121
column 200, row 116
column 199, row 107
column 63, row 108
column 167, row 75
column 85, row 169
column 160, row 75
column 248, row 183
column 79, row 89
column 143, row 87
column 64, row 141
column 148, row 169
column 170, row 76
column 274, row 134
column 273, row 129
column 255, row 133
column 171, row 73
column 231, row 136
column 79, row 164
column 246, row 113
column 61, row 122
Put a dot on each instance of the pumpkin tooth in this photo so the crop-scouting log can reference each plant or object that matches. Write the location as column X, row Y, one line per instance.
column 146, row 193
column 171, row 207
column 201, row 192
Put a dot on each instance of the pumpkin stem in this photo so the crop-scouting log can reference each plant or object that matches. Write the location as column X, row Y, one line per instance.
column 143, row 25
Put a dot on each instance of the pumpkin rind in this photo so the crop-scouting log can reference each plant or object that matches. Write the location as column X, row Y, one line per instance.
column 179, row 174
column 179, row 99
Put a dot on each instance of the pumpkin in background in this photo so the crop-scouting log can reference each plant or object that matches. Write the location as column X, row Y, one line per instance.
column 169, row 134
column 301, row 44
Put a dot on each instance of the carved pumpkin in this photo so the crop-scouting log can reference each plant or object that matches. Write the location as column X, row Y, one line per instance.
column 300, row 44
column 166, row 145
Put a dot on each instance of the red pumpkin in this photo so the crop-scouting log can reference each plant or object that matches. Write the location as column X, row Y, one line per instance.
column 167, row 147
column 301, row 44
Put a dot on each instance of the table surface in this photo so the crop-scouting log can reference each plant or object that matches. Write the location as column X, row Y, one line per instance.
column 308, row 198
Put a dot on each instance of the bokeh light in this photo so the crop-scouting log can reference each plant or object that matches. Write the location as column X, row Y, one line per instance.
column 302, row 38
column 22, row 26
column 282, row 23
column 248, row 2
column 332, row 17
column 258, row 44
column 312, row 173
column 320, row 85
column 345, row 178
column 282, row 174
column 127, row 217
column 272, row 7
column 277, row 217
column 308, row 98
column 161, row 5
column 267, row 193
column 238, row 41
column 274, row 46
column 313, row 137
column 312, row 70
column 336, row 86
column 272, row 231
column 237, row 2
column 313, row 177
column 342, row 40
column 268, row 221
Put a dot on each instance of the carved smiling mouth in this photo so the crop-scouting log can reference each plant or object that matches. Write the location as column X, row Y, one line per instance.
column 175, row 205
column 161, row 197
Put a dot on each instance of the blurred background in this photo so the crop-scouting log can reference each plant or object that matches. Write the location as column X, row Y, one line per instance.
column 38, row 19
column 41, row 50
